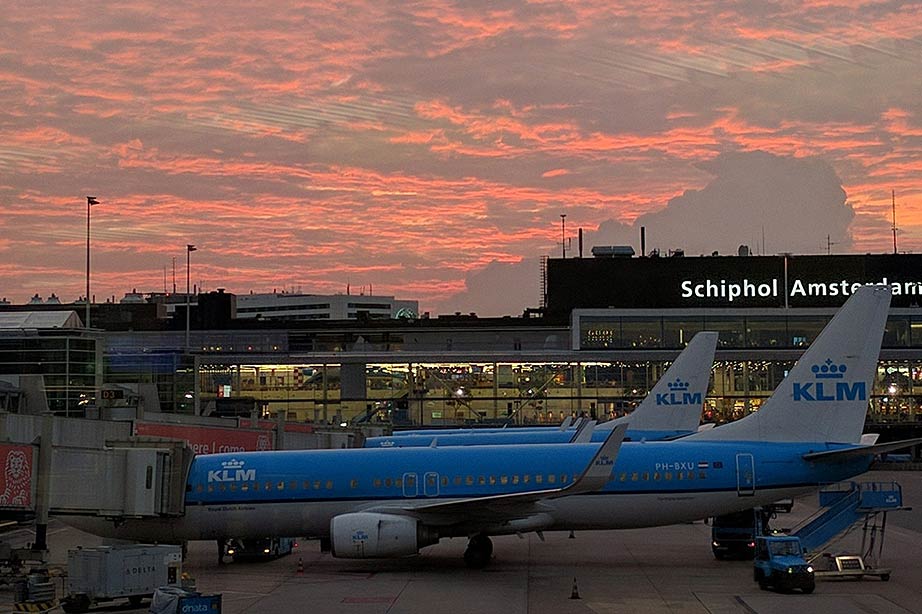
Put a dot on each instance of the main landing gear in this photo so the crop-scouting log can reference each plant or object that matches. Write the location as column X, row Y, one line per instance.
column 478, row 553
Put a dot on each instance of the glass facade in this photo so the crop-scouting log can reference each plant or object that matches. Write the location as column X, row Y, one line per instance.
column 601, row 366
column 444, row 393
column 68, row 363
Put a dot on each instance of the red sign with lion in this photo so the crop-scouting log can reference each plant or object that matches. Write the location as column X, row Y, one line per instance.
column 16, row 476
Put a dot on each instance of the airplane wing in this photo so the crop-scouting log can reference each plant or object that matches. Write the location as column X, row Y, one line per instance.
column 499, row 508
column 834, row 455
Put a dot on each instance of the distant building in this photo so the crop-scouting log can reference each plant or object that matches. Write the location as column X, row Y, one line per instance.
column 296, row 306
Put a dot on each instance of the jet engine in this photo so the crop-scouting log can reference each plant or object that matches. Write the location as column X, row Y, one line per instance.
column 367, row 535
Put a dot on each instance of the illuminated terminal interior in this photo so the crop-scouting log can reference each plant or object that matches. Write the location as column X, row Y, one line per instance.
column 537, row 375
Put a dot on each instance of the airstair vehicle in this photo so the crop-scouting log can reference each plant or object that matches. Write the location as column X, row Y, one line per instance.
column 843, row 508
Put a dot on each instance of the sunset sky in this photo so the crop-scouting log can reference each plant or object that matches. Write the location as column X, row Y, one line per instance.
column 428, row 149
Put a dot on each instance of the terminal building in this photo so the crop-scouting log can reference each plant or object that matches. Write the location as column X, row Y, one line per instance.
column 606, row 331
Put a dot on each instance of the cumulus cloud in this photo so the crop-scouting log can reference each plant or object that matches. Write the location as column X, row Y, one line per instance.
column 498, row 289
column 794, row 203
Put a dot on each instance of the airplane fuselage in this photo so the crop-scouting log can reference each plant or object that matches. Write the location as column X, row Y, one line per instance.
column 652, row 483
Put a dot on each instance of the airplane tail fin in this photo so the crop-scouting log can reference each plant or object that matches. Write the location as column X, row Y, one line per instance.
column 825, row 396
column 675, row 402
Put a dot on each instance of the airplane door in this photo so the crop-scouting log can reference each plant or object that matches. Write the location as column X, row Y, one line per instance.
column 410, row 489
column 431, row 484
column 745, row 475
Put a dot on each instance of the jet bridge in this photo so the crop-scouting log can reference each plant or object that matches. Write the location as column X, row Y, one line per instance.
column 125, row 479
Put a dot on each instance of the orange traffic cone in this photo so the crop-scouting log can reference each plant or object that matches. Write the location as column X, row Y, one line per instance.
column 574, row 594
column 300, row 565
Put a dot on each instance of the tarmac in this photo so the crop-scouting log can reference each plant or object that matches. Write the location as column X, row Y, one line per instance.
column 664, row 569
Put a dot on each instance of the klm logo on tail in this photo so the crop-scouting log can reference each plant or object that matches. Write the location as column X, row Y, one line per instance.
column 829, row 385
column 678, row 395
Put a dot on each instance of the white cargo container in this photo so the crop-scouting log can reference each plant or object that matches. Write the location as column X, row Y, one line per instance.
column 104, row 573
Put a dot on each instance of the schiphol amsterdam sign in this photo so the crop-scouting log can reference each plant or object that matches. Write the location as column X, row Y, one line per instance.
column 730, row 291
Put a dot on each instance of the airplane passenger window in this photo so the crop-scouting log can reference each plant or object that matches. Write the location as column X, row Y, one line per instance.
column 656, row 476
column 388, row 482
column 702, row 475
column 481, row 480
column 268, row 485
column 526, row 478
column 635, row 476
column 354, row 484
column 222, row 487
column 515, row 479
column 233, row 487
column 646, row 476
column 563, row 478
column 255, row 485
column 316, row 484
column 504, row 479
column 306, row 485
column 211, row 488
column 457, row 480
column 199, row 488
column 245, row 487
column 680, row 475
column 622, row 477
column 329, row 484
column 398, row 483
column 668, row 475
column 551, row 478
column 492, row 480
column 539, row 479
column 691, row 475
column 292, row 485
column 444, row 480
column 377, row 482
column 430, row 480
column 280, row 486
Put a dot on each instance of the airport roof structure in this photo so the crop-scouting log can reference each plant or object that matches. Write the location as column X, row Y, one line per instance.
column 32, row 320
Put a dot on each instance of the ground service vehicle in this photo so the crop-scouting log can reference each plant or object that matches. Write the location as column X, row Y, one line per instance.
column 733, row 535
column 132, row 572
column 266, row 547
column 779, row 562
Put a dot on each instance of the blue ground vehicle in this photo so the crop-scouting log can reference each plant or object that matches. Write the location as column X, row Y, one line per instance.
column 779, row 563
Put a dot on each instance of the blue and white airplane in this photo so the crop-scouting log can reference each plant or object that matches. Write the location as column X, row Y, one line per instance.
column 367, row 503
column 672, row 409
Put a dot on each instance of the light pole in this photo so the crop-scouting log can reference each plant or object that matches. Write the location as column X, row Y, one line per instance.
column 90, row 201
column 189, row 250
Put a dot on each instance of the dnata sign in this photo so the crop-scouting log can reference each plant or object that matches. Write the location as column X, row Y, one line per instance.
column 232, row 471
column 828, row 385
column 678, row 395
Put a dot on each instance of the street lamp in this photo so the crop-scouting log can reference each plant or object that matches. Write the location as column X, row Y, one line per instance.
column 189, row 250
column 90, row 201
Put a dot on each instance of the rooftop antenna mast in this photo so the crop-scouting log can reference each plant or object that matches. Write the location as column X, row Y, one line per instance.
column 893, row 205
column 829, row 244
column 563, row 235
